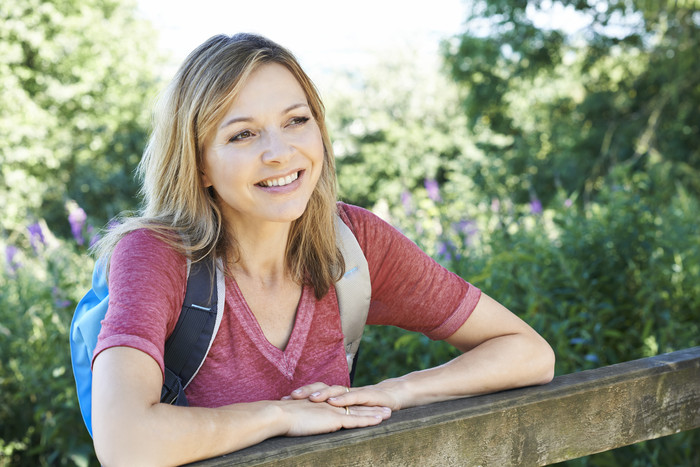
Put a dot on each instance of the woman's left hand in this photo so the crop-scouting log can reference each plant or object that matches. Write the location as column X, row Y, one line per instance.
column 380, row 395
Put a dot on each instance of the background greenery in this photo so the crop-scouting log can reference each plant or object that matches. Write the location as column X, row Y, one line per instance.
column 557, row 171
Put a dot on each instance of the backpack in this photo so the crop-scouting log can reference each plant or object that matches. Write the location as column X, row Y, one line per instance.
column 202, row 310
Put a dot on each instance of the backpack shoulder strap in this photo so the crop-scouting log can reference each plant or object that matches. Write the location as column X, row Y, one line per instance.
column 189, row 344
column 354, row 290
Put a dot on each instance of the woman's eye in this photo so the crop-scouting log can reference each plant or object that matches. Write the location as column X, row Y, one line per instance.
column 298, row 120
column 241, row 136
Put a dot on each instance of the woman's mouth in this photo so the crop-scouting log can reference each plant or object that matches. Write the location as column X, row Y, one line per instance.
column 280, row 181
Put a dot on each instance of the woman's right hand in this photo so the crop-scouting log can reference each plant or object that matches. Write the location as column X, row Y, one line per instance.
column 305, row 417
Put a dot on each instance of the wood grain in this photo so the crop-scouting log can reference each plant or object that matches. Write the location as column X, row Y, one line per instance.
column 575, row 415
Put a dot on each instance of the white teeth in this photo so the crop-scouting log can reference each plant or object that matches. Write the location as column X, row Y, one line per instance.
column 282, row 181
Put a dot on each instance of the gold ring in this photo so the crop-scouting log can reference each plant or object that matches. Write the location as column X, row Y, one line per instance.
column 347, row 389
column 347, row 410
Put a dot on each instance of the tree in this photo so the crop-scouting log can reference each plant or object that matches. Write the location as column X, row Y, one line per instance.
column 606, row 111
column 78, row 82
column 563, row 109
column 395, row 125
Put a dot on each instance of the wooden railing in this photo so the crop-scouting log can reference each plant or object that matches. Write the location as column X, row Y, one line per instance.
column 575, row 415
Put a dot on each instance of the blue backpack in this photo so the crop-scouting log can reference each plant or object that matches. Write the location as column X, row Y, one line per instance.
column 202, row 309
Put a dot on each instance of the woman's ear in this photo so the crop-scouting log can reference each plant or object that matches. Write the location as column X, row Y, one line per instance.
column 205, row 180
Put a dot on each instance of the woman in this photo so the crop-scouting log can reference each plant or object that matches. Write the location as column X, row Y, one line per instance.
column 240, row 166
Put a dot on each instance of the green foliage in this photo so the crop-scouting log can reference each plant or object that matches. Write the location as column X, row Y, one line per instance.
column 613, row 281
column 77, row 85
column 40, row 422
column 78, row 79
column 571, row 197
column 394, row 125
column 607, row 115
column 559, row 110
column 609, row 283
column 388, row 352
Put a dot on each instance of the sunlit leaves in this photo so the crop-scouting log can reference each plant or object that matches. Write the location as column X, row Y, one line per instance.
column 78, row 82
column 578, row 88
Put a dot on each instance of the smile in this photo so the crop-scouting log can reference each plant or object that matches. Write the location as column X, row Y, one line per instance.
column 281, row 181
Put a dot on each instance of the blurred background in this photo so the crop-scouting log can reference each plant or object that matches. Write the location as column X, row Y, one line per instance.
column 546, row 151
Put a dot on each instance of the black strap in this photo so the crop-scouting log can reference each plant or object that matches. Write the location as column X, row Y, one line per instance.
column 354, row 365
column 187, row 346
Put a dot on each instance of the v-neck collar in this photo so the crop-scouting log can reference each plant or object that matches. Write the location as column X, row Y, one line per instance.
column 284, row 360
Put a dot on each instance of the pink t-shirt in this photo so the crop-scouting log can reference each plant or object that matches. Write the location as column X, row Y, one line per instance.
column 147, row 284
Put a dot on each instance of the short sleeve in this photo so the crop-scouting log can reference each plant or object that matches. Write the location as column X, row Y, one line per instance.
column 147, row 281
column 409, row 289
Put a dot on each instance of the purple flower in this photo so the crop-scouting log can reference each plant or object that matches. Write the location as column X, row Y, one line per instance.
column 495, row 205
column 568, row 203
column 59, row 301
column 36, row 236
column 433, row 189
column 62, row 303
column 95, row 238
column 444, row 251
column 467, row 228
column 77, row 218
column 535, row 206
column 10, row 253
column 407, row 201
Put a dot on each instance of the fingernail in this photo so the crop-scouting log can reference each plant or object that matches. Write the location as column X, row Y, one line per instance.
column 286, row 398
column 296, row 391
column 386, row 409
column 332, row 398
column 316, row 394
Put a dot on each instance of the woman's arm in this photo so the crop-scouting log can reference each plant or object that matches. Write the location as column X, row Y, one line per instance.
column 131, row 426
column 500, row 352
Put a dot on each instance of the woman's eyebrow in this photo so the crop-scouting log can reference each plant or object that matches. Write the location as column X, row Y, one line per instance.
column 235, row 120
column 250, row 119
column 294, row 106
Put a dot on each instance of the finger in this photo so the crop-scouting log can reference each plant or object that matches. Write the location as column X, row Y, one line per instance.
column 365, row 396
column 305, row 391
column 366, row 411
column 359, row 421
column 329, row 391
column 356, row 417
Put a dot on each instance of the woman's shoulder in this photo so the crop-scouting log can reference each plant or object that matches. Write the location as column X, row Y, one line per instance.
column 365, row 222
column 147, row 245
column 143, row 237
column 356, row 217
column 373, row 233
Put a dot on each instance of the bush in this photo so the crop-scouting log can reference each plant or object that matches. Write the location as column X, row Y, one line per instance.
column 42, row 279
column 605, row 282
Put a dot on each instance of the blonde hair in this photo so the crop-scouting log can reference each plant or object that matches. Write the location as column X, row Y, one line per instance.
column 176, row 204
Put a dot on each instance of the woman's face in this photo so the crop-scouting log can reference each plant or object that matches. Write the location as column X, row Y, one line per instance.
column 266, row 155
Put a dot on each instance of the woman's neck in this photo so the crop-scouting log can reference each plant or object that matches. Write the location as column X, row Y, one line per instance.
column 261, row 253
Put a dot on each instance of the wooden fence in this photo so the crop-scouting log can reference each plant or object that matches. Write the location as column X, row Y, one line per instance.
column 575, row 415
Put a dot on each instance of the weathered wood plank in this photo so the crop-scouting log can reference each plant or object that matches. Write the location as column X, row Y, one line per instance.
column 575, row 415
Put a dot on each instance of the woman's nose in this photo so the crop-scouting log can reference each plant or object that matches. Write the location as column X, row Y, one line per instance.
column 277, row 149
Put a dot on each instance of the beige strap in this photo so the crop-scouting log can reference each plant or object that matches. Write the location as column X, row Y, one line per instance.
column 354, row 289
